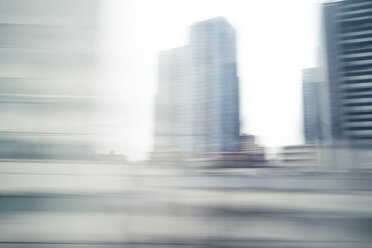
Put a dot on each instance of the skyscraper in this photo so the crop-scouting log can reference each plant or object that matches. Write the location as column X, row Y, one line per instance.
column 197, row 104
column 312, row 107
column 347, row 50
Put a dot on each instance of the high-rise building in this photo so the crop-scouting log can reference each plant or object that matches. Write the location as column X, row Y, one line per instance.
column 312, row 107
column 347, row 50
column 197, row 104
column 172, row 122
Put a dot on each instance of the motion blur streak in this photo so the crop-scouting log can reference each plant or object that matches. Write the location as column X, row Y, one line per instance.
column 46, row 78
column 205, row 183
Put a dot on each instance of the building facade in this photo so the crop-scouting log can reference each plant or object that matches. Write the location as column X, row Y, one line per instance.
column 347, row 50
column 197, row 104
column 312, row 107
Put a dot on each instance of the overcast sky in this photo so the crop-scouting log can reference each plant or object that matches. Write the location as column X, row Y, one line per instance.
column 275, row 41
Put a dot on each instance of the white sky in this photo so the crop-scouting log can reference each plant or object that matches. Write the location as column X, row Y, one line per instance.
column 275, row 41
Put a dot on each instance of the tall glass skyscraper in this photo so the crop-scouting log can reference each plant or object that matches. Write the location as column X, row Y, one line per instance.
column 312, row 107
column 197, row 104
column 347, row 47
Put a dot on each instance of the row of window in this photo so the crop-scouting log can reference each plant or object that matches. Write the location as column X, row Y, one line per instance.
column 367, row 12
column 352, row 49
column 359, row 104
column 357, row 73
column 354, row 26
column 351, row 7
column 350, row 68
column 358, row 96
column 359, row 113
column 359, row 128
column 357, row 45
column 360, row 120
column 357, row 36
column 357, row 81
column 360, row 58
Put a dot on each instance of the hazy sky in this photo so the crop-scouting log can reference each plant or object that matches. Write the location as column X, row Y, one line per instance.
column 275, row 41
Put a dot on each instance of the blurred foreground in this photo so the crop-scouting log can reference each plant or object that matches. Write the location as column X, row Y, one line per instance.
column 59, row 204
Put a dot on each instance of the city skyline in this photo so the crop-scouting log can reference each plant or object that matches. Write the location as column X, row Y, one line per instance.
column 269, row 69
